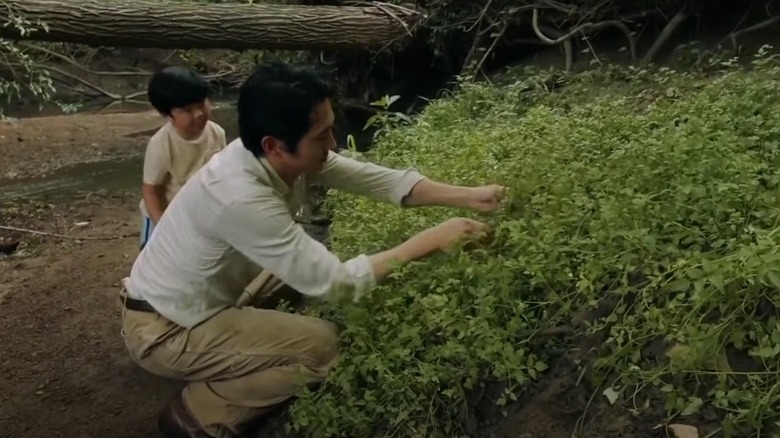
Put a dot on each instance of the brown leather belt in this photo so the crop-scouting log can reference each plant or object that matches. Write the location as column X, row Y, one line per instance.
column 137, row 305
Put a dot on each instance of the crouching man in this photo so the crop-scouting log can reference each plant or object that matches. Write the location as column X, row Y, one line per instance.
column 183, row 314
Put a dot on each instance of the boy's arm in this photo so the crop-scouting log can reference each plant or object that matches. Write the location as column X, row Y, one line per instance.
column 157, row 162
column 221, row 137
column 154, row 200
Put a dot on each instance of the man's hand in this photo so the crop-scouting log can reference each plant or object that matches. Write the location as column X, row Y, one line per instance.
column 486, row 199
column 452, row 231
column 440, row 237
column 483, row 199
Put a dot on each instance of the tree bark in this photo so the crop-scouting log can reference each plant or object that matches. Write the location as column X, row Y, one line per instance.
column 143, row 23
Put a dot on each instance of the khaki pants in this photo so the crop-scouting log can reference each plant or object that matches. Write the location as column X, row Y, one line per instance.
column 238, row 363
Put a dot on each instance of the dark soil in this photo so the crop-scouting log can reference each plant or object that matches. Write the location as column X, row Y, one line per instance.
column 66, row 371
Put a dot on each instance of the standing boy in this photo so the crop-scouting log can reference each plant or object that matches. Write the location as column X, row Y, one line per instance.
column 180, row 147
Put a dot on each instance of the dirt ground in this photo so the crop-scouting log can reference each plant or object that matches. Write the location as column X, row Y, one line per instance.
column 66, row 368
column 67, row 373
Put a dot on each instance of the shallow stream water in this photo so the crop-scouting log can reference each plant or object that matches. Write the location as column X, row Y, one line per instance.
column 111, row 174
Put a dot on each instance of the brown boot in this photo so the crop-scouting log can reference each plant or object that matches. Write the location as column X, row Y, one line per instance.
column 177, row 422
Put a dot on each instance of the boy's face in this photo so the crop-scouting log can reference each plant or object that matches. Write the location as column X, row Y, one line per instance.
column 189, row 121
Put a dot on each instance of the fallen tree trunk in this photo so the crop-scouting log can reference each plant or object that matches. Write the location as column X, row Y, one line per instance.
column 142, row 23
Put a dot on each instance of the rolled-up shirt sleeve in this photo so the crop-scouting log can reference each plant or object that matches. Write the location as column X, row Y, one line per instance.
column 263, row 230
column 368, row 179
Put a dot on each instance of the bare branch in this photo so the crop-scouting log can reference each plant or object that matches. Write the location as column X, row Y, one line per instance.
column 73, row 62
column 85, row 83
column 492, row 47
column 482, row 13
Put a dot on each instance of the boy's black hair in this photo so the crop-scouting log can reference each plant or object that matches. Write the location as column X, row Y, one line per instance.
column 176, row 87
column 278, row 100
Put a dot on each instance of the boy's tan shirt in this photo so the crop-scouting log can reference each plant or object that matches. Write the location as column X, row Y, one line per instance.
column 171, row 160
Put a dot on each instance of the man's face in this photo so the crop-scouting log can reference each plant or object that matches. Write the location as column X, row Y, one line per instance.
column 189, row 121
column 314, row 146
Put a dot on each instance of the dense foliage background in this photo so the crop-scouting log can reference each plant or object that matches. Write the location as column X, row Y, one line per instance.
column 655, row 192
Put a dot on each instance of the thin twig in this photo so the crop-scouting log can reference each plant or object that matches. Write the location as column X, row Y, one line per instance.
column 472, row 51
column 63, row 236
column 114, row 103
column 482, row 13
column 668, row 31
column 492, row 47
column 85, row 83
column 566, row 9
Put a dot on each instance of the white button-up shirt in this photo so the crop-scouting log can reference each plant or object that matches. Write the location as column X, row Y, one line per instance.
column 233, row 219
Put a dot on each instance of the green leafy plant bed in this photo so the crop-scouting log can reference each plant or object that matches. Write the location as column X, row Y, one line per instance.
column 638, row 257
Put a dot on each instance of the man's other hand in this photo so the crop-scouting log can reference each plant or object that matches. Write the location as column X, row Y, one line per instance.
column 452, row 231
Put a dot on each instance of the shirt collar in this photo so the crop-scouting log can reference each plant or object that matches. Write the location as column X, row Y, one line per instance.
column 277, row 183
column 260, row 168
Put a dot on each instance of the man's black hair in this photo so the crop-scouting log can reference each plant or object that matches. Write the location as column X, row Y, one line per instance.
column 278, row 100
column 176, row 87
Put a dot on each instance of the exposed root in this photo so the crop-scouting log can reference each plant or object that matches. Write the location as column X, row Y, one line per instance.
column 583, row 29
column 756, row 27
column 324, row 62
column 668, row 31
column 568, row 49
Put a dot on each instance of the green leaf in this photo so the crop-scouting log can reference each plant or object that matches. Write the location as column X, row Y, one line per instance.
column 611, row 395
column 679, row 285
column 774, row 278
column 692, row 407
